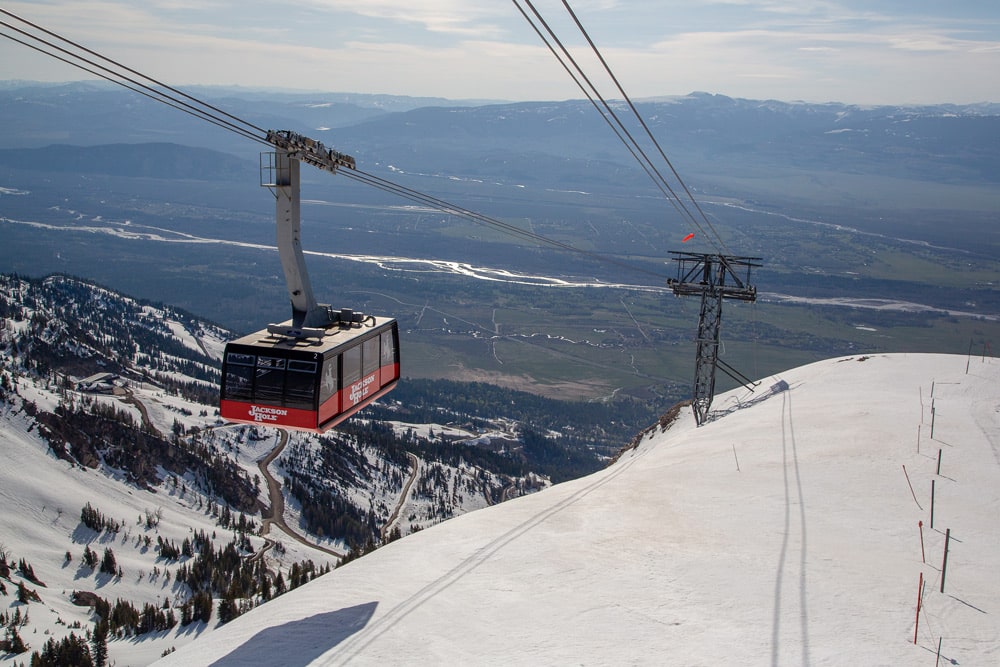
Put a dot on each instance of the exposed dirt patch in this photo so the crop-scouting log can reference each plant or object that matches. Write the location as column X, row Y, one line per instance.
column 582, row 390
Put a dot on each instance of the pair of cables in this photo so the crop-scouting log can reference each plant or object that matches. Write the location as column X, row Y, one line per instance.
column 687, row 206
column 45, row 41
column 512, row 230
column 39, row 38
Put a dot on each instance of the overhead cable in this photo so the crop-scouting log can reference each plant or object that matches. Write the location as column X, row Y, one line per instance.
column 125, row 68
column 453, row 209
column 183, row 102
column 134, row 88
column 609, row 115
column 639, row 117
column 616, row 127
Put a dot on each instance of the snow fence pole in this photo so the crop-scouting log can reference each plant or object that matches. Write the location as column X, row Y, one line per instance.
column 923, row 556
column 944, row 564
column 916, row 625
column 933, row 414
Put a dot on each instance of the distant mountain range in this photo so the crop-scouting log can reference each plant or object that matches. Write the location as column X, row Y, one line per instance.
column 729, row 136
column 154, row 160
column 704, row 132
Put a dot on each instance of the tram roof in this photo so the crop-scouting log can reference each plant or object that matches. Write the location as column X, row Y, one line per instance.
column 333, row 337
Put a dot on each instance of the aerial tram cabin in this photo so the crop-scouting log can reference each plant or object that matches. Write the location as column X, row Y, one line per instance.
column 309, row 384
column 323, row 365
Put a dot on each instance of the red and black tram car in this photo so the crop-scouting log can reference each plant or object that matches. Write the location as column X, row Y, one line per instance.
column 309, row 384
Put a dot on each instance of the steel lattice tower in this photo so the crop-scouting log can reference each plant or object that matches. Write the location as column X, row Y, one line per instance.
column 714, row 278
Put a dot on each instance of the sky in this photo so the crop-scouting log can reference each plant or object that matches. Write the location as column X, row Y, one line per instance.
column 851, row 51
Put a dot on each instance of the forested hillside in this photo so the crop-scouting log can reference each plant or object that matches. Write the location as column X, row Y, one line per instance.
column 96, row 387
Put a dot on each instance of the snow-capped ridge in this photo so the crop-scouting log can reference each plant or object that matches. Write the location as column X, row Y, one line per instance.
column 123, row 488
column 794, row 527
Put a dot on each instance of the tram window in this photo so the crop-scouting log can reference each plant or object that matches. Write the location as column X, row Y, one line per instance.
column 238, row 385
column 370, row 358
column 301, row 366
column 351, row 359
column 235, row 358
column 270, row 383
column 300, row 385
column 388, row 349
column 328, row 383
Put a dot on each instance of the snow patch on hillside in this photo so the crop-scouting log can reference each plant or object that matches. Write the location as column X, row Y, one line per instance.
column 785, row 531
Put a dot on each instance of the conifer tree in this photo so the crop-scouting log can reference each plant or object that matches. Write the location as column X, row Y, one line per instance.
column 99, row 643
column 108, row 564
column 70, row 650
column 23, row 596
column 13, row 643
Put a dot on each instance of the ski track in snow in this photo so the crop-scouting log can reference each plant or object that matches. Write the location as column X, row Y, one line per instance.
column 805, row 552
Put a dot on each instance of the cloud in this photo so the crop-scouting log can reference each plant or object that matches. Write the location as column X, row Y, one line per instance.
column 926, row 42
column 452, row 17
column 817, row 49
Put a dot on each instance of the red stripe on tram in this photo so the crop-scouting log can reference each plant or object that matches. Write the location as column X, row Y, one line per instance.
column 267, row 415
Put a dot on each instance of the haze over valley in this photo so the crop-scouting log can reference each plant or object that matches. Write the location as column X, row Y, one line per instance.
column 874, row 225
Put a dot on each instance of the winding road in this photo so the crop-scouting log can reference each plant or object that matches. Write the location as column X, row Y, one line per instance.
column 275, row 515
column 414, row 469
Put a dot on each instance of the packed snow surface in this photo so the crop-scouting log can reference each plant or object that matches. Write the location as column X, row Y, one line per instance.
column 791, row 529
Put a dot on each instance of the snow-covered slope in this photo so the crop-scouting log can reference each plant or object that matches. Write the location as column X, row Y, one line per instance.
column 41, row 499
column 129, row 465
column 786, row 531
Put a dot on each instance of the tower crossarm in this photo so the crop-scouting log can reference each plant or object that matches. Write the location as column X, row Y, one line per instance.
column 700, row 273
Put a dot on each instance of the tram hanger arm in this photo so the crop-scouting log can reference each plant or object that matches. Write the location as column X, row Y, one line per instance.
column 291, row 149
